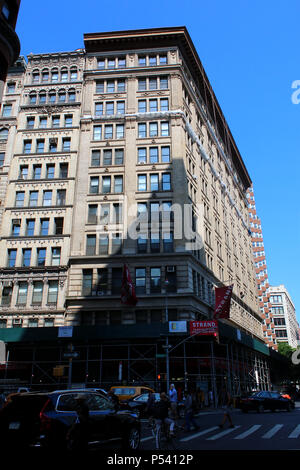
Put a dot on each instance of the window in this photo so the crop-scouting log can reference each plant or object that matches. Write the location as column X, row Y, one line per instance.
column 6, row 110
column 142, row 106
column 163, row 60
column 40, row 145
column 110, row 107
column 153, row 129
column 15, row 229
column 121, row 86
column 120, row 131
column 66, row 144
column 152, row 83
column 116, row 247
column 101, row 63
column 118, row 184
column 42, row 98
column 166, row 182
column 119, row 157
column 154, row 212
column 11, row 258
column 111, row 63
column 140, row 280
column 20, row 198
column 100, row 87
column 95, row 159
column 120, row 107
column 35, row 77
column 106, row 184
column 142, row 182
column 52, row 97
column 64, row 75
column 26, row 256
column 153, row 107
column 154, row 182
column 142, row 243
column 62, row 97
column 32, row 98
column 22, row 293
column 165, row 154
column 142, row 155
column 56, row 121
column 55, row 256
column 108, row 131
column 54, row 76
column 61, row 197
column 52, row 292
column 27, row 146
column 42, row 123
column 142, row 130
column 142, row 61
column 63, row 170
column 30, row 224
column 116, row 280
column 3, row 134
column 117, row 213
column 92, row 214
column 104, row 214
column 11, row 87
column 71, row 96
column 164, row 129
column 37, row 169
column 142, row 84
column 91, row 245
column 2, row 157
column 152, row 61
column 53, row 145
column 33, row 323
column 87, row 281
column 49, row 322
column 6, row 296
column 110, row 86
column 58, row 225
column 68, row 120
column 107, row 157
column 164, row 104
column 153, row 154
column 44, row 227
column 103, row 244
column 30, row 123
column 164, row 85
column 102, row 283
column 98, row 109
column 23, row 175
column 168, row 242
column 37, row 292
column 155, row 280
column 47, row 198
column 41, row 256
column 50, row 171
column 45, row 76
column 155, row 242
column 73, row 75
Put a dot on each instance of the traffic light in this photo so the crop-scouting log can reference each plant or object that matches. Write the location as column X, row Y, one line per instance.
column 158, row 376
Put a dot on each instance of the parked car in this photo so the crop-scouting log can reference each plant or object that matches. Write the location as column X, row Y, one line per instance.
column 41, row 419
column 125, row 392
column 265, row 400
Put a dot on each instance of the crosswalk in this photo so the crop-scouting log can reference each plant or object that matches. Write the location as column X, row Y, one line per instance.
column 239, row 432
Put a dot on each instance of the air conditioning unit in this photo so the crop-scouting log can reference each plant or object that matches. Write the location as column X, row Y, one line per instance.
column 53, row 140
column 170, row 269
column 141, row 163
column 16, row 221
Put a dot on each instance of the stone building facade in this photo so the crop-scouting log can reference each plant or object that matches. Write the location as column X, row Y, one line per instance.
column 110, row 145
column 284, row 315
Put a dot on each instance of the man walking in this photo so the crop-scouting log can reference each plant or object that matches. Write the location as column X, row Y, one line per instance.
column 173, row 402
column 226, row 402
column 189, row 412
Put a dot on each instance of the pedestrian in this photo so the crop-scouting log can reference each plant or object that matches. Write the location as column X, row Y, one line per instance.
column 189, row 406
column 211, row 398
column 173, row 401
column 78, row 435
column 161, row 416
column 226, row 402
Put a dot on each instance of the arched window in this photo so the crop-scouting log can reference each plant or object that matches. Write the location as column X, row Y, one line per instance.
column 54, row 75
column 42, row 97
column 45, row 75
column 64, row 75
column 32, row 98
column 74, row 74
column 35, row 76
column 71, row 95
column 52, row 96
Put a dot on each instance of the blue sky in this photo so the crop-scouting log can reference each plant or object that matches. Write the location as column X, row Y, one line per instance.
column 250, row 51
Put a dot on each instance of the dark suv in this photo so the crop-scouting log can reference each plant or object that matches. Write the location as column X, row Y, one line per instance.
column 43, row 420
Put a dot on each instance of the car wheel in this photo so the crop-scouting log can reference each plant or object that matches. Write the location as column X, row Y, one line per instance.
column 260, row 409
column 132, row 440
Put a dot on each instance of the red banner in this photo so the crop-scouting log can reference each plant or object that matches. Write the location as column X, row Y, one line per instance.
column 128, row 296
column 204, row 327
column 222, row 305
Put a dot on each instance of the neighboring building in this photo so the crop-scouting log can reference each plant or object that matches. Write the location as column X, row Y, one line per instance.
column 284, row 314
column 9, row 41
column 127, row 128
column 261, row 270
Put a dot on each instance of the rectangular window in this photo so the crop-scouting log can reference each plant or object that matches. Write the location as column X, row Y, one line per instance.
column 142, row 155
column 120, row 131
column 50, row 171
column 27, row 146
column 152, row 61
column 95, row 159
column 41, row 256
column 54, row 76
column 110, row 86
column 119, row 157
column 155, row 280
column 153, row 154
column 22, row 293
column 166, row 181
column 52, row 292
column 107, row 157
column 47, row 198
column 142, row 130
column 6, row 296
column 63, row 170
column 116, row 246
column 103, row 244
column 26, row 256
column 98, row 109
column 153, row 106
column 37, row 170
column 40, row 146
column 11, row 88
column 108, row 131
column 66, row 144
column 33, row 198
column 163, row 60
column 92, row 214
column 142, row 61
column 164, row 83
column 117, row 213
column 110, row 107
column 142, row 106
column 102, row 283
column 43, row 123
column 2, row 157
column 116, row 281
column 154, row 212
column 91, row 245
column 37, row 292
column 168, row 242
column 142, row 182
column 104, row 214
column 140, row 280
column 111, row 63
column 121, row 86
column 15, row 229
column 101, row 63
column 100, row 87
column 164, row 129
column 94, row 185
column 118, row 184
column 142, row 84
column 155, row 242
column 61, row 197
column 97, row 133
column 68, row 120
column 53, row 145
column 106, row 184
column 152, row 83
column 20, row 195
column 23, row 175
column 6, row 110
column 154, row 182
column 56, row 121
column 55, row 256
column 153, row 129
column 44, row 227
column 30, row 123
column 11, row 258
column 165, row 154
column 87, row 281
column 120, row 107
column 30, row 224
column 142, row 243
column 58, row 225
column 164, row 104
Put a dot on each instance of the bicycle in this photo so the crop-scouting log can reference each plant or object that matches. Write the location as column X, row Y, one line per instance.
column 164, row 439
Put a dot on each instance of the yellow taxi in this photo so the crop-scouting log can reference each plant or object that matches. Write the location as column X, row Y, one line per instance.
column 125, row 392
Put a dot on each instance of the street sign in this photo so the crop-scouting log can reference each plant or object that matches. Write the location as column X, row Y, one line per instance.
column 71, row 355
column 161, row 355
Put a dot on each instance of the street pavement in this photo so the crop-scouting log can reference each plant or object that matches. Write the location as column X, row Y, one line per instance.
column 278, row 430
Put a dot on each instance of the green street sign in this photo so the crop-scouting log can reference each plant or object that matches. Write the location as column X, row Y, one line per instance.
column 161, row 355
